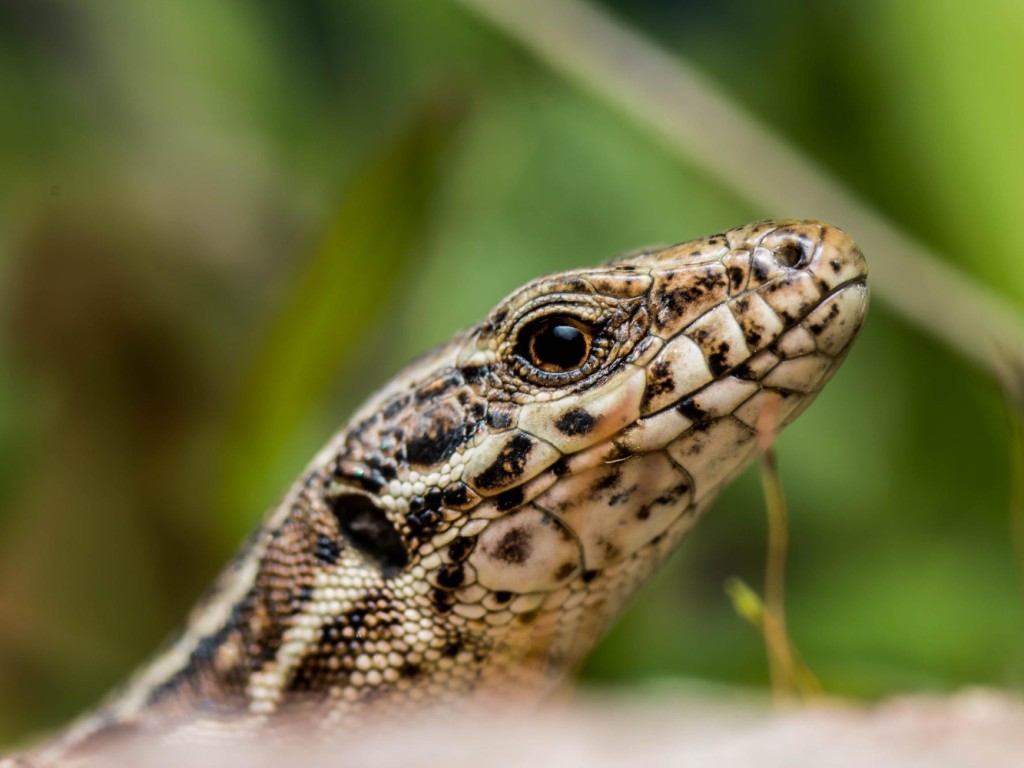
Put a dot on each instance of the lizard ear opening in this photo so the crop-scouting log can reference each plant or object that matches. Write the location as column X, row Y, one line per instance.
column 366, row 527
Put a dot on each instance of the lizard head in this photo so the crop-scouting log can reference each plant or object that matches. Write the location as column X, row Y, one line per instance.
column 482, row 519
column 552, row 455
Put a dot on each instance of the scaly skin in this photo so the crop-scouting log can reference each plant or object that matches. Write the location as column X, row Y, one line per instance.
column 474, row 529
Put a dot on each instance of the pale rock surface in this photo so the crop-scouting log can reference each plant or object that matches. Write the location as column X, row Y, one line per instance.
column 973, row 728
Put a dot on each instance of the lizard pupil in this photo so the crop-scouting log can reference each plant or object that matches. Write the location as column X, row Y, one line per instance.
column 557, row 344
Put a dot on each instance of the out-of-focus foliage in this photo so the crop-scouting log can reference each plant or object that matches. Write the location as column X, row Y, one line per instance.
column 177, row 176
column 368, row 246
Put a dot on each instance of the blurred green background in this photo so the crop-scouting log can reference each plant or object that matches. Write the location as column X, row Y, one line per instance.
column 224, row 224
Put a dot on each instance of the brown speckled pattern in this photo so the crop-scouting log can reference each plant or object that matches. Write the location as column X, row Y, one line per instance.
column 475, row 527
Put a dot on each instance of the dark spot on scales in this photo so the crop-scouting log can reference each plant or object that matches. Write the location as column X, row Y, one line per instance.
column 459, row 549
column 619, row 453
column 717, row 361
column 742, row 371
column 711, row 280
column 473, row 374
column 451, row 576
column 416, row 504
column 515, row 547
column 327, row 550
column 365, row 477
column 818, row 328
column 611, row 551
column 367, row 423
column 673, row 302
column 659, row 382
column 607, row 481
column 510, row 499
column 452, row 648
column 456, row 495
column 565, row 570
column 509, row 464
column 529, row 617
column 391, row 440
column 442, row 599
column 424, row 514
column 735, row 278
column 576, row 422
column 691, row 410
column 439, row 386
column 367, row 528
column 499, row 417
column 410, row 671
column 560, row 467
column 395, row 407
column 673, row 495
column 622, row 496
column 438, row 434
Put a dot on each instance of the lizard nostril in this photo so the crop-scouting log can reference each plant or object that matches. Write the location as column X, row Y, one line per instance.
column 793, row 254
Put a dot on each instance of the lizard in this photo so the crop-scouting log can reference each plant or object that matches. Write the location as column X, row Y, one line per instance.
column 484, row 516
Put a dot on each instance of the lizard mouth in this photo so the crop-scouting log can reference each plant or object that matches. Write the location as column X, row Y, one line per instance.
column 798, row 339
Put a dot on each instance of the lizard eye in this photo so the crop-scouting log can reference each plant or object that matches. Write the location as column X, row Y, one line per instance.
column 556, row 344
